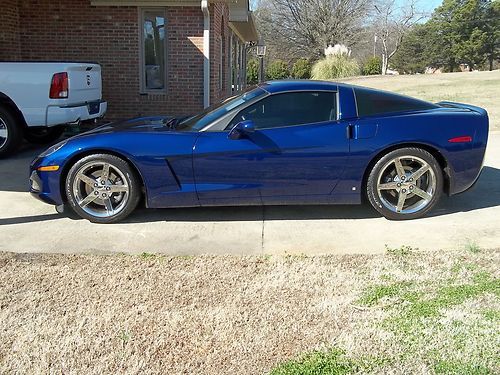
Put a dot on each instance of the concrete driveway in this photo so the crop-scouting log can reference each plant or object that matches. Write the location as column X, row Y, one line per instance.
column 27, row 225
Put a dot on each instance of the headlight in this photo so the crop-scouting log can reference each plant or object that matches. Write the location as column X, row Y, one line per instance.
column 53, row 149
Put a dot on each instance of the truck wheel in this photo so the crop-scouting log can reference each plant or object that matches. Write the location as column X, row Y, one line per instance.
column 10, row 133
column 43, row 135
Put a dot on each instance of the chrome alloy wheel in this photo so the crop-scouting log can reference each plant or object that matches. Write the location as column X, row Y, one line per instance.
column 4, row 133
column 406, row 184
column 100, row 189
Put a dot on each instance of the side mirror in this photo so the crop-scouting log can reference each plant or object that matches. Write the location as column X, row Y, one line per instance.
column 241, row 129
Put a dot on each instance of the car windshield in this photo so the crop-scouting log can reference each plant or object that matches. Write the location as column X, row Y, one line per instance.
column 212, row 113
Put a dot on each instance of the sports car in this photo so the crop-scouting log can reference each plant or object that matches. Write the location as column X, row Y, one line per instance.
column 279, row 143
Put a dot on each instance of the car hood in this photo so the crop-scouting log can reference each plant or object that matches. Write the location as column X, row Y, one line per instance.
column 140, row 124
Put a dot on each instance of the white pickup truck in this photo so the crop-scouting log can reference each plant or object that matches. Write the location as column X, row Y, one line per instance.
column 38, row 99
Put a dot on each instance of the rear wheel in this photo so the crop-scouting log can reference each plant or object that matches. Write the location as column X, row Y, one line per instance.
column 102, row 188
column 405, row 184
column 43, row 135
column 10, row 132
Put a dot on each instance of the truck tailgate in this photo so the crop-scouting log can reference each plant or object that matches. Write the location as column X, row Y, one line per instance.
column 84, row 83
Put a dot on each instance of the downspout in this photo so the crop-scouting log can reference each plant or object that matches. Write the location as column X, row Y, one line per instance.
column 206, row 53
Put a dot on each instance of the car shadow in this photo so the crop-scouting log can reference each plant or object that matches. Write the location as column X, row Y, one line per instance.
column 484, row 194
column 14, row 170
column 252, row 213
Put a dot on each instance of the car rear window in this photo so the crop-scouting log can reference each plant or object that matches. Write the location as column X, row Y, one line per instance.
column 373, row 102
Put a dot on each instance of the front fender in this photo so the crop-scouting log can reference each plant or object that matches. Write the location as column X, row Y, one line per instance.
column 162, row 172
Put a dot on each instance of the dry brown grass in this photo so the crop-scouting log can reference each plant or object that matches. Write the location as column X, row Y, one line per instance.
column 477, row 88
column 210, row 315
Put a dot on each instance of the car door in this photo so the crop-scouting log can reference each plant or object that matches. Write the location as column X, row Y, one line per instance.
column 298, row 151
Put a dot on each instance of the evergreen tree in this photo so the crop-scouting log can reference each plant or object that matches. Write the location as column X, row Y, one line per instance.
column 463, row 32
column 412, row 56
column 492, row 28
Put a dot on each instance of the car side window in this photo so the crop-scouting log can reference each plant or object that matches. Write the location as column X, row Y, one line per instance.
column 372, row 102
column 289, row 109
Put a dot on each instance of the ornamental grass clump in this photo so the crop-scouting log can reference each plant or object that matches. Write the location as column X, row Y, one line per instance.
column 336, row 64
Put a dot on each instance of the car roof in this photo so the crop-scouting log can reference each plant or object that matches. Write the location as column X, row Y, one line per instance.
column 298, row 85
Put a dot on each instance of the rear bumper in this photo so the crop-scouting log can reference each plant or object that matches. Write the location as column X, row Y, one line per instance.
column 57, row 115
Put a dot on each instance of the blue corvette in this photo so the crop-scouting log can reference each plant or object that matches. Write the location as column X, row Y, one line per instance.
column 283, row 142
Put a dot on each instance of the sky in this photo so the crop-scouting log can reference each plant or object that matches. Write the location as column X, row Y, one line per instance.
column 426, row 5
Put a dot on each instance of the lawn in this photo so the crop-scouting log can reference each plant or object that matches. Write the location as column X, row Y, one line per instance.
column 477, row 88
column 401, row 312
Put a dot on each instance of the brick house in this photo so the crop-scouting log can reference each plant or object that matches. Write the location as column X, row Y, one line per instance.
column 157, row 56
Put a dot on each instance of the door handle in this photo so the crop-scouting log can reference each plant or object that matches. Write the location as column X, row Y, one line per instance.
column 349, row 131
column 363, row 131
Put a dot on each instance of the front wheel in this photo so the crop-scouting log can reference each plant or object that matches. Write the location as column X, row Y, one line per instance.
column 102, row 188
column 405, row 184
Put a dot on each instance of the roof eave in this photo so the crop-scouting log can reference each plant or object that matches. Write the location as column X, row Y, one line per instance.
column 246, row 29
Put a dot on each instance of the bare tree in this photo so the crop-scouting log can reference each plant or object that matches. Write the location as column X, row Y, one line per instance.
column 391, row 22
column 303, row 28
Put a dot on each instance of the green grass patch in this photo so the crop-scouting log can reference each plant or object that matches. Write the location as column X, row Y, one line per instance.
column 147, row 255
column 421, row 306
column 402, row 251
column 375, row 293
column 459, row 266
column 460, row 368
column 452, row 295
column 472, row 246
column 444, row 297
column 265, row 257
column 331, row 362
column 491, row 314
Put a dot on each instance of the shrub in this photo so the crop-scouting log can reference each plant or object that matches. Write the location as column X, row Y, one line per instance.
column 301, row 69
column 335, row 66
column 278, row 69
column 372, row 66
column 253, row 72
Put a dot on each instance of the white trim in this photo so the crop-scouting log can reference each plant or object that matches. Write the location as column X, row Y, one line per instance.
column 206, row 53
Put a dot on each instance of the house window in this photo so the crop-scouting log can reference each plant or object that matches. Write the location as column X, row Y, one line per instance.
column 153, row 61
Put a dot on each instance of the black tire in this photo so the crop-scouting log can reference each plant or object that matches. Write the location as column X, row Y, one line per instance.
column 41, row 135
column 386, row 196
column 121, row 169
column 10, row 132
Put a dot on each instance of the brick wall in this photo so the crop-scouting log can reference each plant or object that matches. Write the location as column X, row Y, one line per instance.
column 219, row 40
column 9, row 31
column 73, row 30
